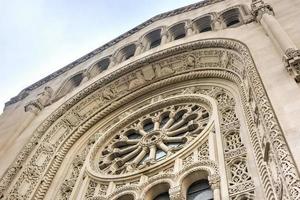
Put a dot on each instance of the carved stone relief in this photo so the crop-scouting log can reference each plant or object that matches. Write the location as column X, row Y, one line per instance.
column 63, row 127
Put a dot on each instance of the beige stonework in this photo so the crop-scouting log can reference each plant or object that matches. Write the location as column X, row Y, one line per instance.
column 205, row 96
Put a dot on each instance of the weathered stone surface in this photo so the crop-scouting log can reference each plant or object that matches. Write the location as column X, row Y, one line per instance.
column 217, row 105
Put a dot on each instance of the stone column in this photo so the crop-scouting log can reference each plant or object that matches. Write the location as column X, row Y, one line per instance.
column 216, row 191
column 164, row 37
column 80, row 188
column 211, row 146
column 112, row 61
column 86, row 77
column 264, row 14
column 214, row 182
column 189, row 28
column 218, row 24
column 139, row 48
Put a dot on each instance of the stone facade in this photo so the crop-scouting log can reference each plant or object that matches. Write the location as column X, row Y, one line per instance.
column 201, row 100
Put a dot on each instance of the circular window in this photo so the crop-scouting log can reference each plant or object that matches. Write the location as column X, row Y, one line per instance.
column 151, row 138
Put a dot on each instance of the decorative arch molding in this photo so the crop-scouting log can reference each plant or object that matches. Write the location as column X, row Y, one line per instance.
column 205, row 101
column 230, row 60
column 100, row 69
column 69, row 84
column 172, row 180
column 131, row 190
column 151, row 185
column 208, row 166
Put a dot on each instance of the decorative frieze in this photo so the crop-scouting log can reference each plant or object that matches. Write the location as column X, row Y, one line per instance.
column 180, row 72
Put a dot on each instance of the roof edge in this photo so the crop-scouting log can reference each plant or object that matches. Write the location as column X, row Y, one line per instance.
column 25, row 92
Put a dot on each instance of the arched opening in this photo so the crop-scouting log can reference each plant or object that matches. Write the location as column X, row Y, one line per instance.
column 195, row 73
column 232, row 18
column 69, row 85
column 203, row 24
column 99, row 67
column 153, row 39
column 126, row 53
column 158, row 192
column 195, row 186
column 163, row 196
column 199, row 190
column 177, row 31
column 126, row 197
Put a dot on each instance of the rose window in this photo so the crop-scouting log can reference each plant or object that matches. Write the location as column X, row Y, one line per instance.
column 152, row 138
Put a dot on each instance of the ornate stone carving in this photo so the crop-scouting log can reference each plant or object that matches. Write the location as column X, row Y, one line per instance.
column 203, row 152
column 152, row 137
column 292, row 63
column 218, row 23
column 163, row 71
column 43, row 99
column 210, row 69
column 259, row 8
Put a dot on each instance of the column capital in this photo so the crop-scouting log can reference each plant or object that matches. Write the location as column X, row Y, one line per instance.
column 189, row 25
column 163, row 32
column 175, row 193
column 214, row 181
column 292, row 62
column 140, row 43
column 218, row 23
column 259, row 8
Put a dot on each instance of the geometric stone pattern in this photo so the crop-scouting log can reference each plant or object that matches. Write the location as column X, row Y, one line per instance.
column 63, row 127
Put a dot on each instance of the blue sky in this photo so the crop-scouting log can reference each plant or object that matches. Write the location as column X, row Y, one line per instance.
column 37, row 37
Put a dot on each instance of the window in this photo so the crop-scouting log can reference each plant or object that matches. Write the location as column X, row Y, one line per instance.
column 154, row 39
column 232, row 18
column 70, row 84
column 151, row 138
column 178, row 31
column 126, row 197
column 200, row 190
column 162, row 196
column 203, row 24
column 99, row 67
column 126, row 53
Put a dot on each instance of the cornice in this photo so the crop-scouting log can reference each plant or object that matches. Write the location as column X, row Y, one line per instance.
column 24, row 93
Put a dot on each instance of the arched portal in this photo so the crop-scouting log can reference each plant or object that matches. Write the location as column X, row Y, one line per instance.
column 216, row 75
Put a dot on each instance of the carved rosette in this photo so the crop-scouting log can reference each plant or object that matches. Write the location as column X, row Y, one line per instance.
column 150, row 135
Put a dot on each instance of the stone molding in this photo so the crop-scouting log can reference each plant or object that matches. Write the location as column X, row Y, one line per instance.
column 172, row 179
column 228, row 72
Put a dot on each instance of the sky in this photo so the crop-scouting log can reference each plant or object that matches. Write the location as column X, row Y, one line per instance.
column 38, row 37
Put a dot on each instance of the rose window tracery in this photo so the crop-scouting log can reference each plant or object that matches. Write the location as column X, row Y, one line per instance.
column 152, row 138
